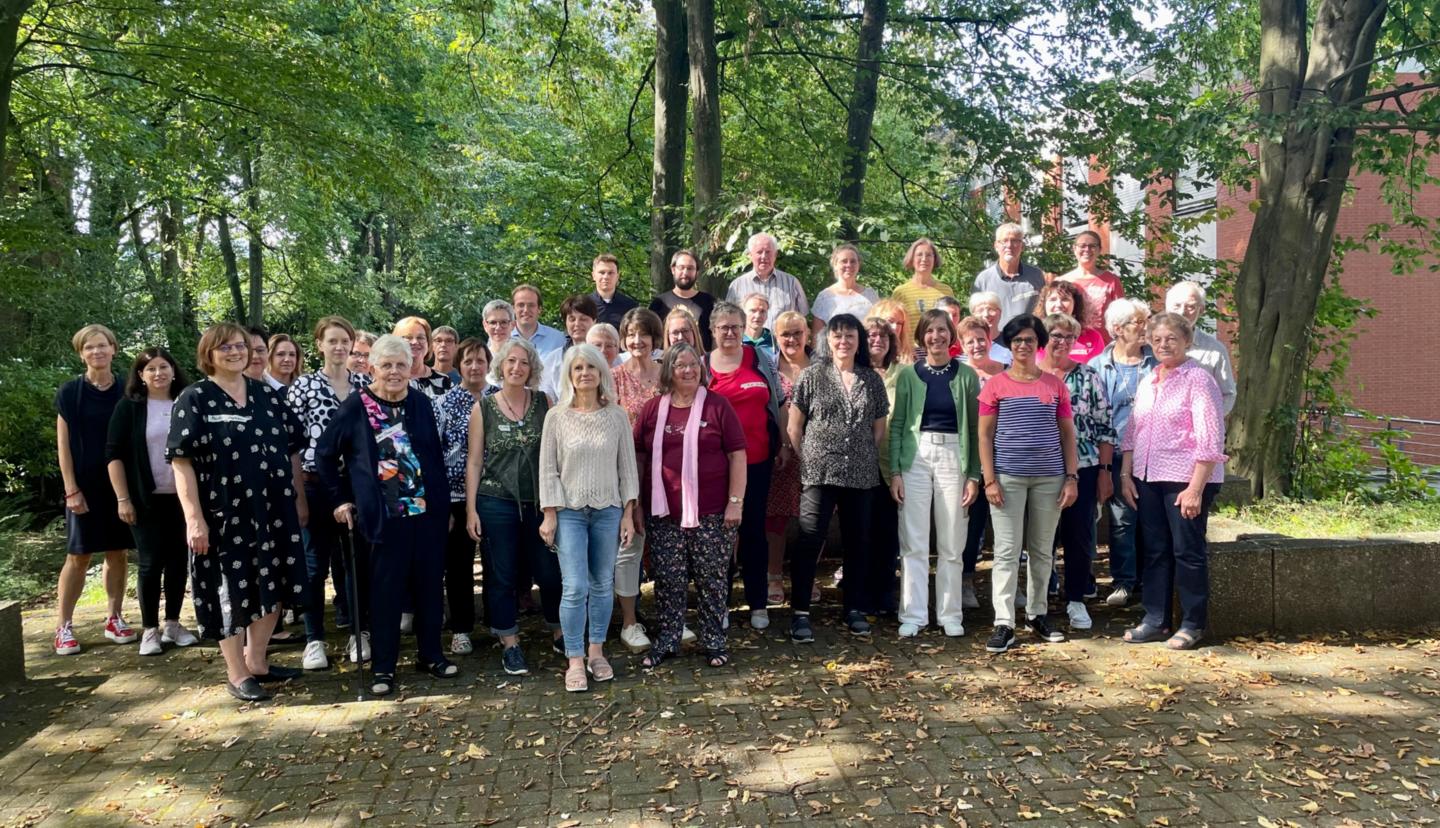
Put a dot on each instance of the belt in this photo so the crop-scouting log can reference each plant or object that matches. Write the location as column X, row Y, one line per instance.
column 939, row 437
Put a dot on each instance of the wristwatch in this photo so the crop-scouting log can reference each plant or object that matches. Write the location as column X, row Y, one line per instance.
column 734, row 499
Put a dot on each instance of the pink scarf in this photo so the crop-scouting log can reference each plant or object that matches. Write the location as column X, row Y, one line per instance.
column 689, row 464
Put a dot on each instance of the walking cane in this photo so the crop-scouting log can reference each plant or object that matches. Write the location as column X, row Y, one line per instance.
column 347, row 548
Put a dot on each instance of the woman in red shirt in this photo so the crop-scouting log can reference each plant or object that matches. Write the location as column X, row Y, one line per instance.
column 745, row 378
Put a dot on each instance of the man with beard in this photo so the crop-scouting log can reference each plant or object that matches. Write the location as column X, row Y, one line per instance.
column 685, row 271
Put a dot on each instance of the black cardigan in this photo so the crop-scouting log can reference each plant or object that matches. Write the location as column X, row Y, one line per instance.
column 126, row 442
column 348, row 439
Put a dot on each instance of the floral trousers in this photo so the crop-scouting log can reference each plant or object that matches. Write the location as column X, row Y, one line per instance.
column 679, row 556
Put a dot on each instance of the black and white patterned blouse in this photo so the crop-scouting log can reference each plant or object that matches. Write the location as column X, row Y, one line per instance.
column 453, row 414
column 312, row 399
column 434, row 386
column 839, row 445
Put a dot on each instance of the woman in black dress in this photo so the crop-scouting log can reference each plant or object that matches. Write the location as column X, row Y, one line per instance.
column 92, row 523
column 235, row 448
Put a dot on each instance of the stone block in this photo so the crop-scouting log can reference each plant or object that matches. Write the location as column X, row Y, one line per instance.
column 1324, row 586
column 1242, row 588
column 1405, row 581
column 12, row 644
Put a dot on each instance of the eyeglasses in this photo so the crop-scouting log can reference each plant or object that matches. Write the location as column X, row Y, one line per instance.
column 1028, row 342
column 792, row 334
column 727, row 328
column 232, row 348
column 1062, row 337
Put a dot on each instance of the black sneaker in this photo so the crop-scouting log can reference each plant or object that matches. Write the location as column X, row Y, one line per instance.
column 800, row 630
column 856, row 622
column 1001, row 640
column 514, row 661
column 1041, row 627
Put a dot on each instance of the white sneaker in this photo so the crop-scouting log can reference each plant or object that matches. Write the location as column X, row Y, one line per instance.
column 1079, row 616
column 1118, row 597
column 288, row 617
column 968, row 598
column 175, row 633
column 364, row 647
column 634, row 638
column 759, row 619
column 460, row 644
column 909, row 630
column 314, row 658
column 150, row 642
column 687, row 636
column 954, row 629
column 407, row 623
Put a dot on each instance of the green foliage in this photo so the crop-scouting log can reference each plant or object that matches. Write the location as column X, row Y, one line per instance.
column 30, row 556
column 27, row 427
column 1339, row 517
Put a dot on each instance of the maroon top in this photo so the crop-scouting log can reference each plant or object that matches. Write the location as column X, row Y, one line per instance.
column 720, row 434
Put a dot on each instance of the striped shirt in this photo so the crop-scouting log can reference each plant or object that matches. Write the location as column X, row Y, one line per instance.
column 1027, row 424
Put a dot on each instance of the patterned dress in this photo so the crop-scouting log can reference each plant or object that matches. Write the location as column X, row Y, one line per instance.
column 632, row 393
column 785, row 483
column 241, row 456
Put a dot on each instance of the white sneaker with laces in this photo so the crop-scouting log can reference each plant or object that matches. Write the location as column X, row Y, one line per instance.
column 150, row 642
column 460, row 644
column 364, row 647
column 634, row 638
column 175, row 633
column 315, row 658
column 909, row 630
column 954, row 629
column 1079, row 616
column 687, row 636
column 1118, row 597
column 407, row 623
column 759, row 619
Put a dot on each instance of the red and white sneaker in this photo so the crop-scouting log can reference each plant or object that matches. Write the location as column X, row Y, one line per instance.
column 65, row 643
column 118, row 631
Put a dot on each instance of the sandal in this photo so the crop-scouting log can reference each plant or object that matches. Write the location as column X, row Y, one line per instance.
column 444, row 668
column 776, row 595
column 655, row 658
column 1145, row 634
column 575, row 679
column 599, row 668
column 1184, row 639
column 717, row 658
column 382, row 684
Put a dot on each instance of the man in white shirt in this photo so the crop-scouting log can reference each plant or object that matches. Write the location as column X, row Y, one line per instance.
column 1188, row 299
column 782, row 290
column 1015, row 282
column 526, row 299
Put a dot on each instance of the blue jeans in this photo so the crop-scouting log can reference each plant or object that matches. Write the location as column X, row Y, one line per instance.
column 1176, row 557
column 1124, row 525
column 587, row 541
column 510, row 535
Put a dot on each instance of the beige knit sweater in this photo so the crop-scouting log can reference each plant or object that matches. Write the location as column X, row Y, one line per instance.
column 587, row 459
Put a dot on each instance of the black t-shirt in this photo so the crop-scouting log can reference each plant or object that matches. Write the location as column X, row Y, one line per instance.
column 939, row 412
column 87, row 410
column 700, row 304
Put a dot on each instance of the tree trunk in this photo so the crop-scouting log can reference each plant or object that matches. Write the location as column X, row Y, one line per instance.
column 183, row 320
column 10, row 13
column 861, row 116
column 705, row 95
column 256, row 244
column 232, row 266
column 667, row 191
column 1301, row 182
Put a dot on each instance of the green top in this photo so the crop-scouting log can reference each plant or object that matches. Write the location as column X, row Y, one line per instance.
column 890, row 376
column 910, row 405
column 512, row 451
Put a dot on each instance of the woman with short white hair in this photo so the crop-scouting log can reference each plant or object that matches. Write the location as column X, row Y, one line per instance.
column 607, row 340
column 588, row 487
column 985, row 306
column 498, row 318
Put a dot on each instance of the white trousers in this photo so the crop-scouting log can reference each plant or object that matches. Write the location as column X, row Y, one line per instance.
column 934, row 487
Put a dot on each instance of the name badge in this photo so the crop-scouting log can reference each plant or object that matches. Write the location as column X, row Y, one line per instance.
column 390, row 433
column 505, row 429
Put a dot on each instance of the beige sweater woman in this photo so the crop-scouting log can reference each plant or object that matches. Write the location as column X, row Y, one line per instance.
column 579, row 454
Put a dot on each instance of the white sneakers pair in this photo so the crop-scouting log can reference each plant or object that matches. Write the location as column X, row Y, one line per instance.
column 953, row 629
column 154, row 638
column 315, row 657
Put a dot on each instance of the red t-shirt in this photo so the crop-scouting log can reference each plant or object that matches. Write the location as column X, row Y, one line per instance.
column 720, row 434
column 748, row 393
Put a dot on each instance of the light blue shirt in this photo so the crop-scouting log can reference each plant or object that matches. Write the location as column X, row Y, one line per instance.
column 545, row 339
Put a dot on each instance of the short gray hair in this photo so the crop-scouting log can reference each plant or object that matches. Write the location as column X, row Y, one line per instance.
column 1009, row 228
column 517, row 343
column 667, row 366
column 500, row 305
column 1186, row 288
column 765, row 237
column 1122, row 311
column 985, row 297
column 604, row 329
column 391, row 345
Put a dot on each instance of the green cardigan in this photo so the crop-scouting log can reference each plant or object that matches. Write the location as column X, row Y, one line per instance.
column 910, row 404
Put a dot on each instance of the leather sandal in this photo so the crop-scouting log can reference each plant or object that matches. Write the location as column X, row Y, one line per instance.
column 1145, row 634
column 599, row 668
column 575, row 681
column 1184, row 639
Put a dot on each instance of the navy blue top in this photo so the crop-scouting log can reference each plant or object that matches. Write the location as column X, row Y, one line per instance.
column 938, row 415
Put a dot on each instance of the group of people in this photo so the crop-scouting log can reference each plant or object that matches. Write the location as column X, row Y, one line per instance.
column 680, row 438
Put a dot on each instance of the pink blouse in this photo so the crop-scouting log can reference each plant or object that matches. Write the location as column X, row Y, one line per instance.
column 1175, row 424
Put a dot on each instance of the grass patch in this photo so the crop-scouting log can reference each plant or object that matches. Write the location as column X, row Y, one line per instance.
column 30, row 555
column 1339, row 518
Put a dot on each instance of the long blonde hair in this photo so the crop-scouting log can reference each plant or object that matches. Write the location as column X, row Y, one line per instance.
column 592, row 355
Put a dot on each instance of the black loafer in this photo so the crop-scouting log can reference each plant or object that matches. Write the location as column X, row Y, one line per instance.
column 444, row 668
column 248, row 690
column 278, row 674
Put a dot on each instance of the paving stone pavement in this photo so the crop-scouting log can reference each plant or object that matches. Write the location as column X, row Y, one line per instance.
column 1343, row 731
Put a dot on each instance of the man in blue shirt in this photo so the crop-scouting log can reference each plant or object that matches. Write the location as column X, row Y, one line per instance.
column 526, row 299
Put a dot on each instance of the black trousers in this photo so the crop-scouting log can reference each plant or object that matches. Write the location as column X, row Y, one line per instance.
column 816, row 505
column 409, row 561
column 754, row 547
column 164, row 558
column 884, row 557
column 460, row 572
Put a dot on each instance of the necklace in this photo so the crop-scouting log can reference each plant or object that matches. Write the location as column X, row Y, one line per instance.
column 945, row 369
column 509, row 412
